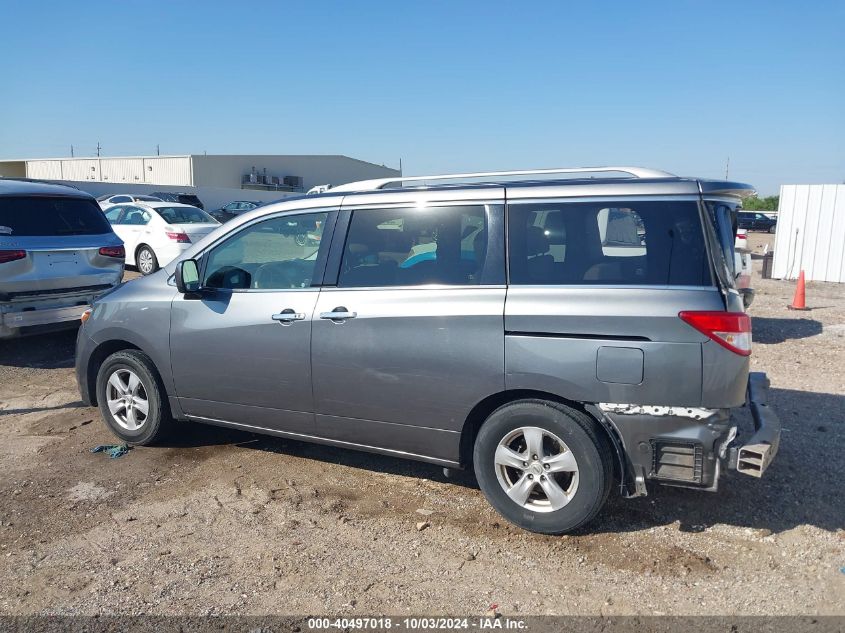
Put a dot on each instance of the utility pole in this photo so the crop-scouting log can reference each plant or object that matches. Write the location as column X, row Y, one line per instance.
column 98, row 149
column 727, row 167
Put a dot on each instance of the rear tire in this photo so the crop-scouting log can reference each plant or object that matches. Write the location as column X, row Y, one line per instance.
column 146, row 260
column 773, row 228
column 131, row 398
column 544, row 466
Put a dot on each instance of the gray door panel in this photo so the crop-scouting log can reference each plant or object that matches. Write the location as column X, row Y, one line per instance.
column 414, row 356
column 411, row 441
column 232, row 361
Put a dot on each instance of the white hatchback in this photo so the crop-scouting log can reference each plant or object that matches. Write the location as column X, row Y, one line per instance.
column 155, row 233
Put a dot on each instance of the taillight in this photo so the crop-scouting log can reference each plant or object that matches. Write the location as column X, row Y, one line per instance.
column 741, row 236
column 113, row 251
column 731, row 330
column 10, row 256
column 182, row 238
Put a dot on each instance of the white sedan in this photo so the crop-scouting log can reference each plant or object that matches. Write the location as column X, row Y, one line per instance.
column 155, row 233
column 110, row 200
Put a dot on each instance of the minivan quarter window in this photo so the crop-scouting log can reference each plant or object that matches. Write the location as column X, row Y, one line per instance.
column 657, row 243
column 415, row 246
column 268, row 255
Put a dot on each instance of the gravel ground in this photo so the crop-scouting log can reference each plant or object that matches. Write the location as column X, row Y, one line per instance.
column 227, row 522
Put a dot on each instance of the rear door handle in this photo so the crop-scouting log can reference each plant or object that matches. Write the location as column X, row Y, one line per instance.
column 288, row 315
column 338, row 314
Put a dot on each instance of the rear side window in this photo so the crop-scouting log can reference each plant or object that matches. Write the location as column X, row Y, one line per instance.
column 415, row 247
column 723, row 217
column 184, row 215
column 51, row 216
column 623, row 243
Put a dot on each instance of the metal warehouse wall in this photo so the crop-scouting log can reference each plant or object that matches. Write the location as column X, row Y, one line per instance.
column 811, row 233
column 228, row 171
column 158, row 170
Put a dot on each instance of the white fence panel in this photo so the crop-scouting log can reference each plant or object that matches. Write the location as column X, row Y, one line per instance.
column 811, row 233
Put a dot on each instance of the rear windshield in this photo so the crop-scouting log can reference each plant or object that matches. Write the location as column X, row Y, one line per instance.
column 184, row 215
column 595, row 243
column 48, row 216
column 147, row 198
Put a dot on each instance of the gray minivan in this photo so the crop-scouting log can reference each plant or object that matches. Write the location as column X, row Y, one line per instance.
column 57, row 255
column 558, row 330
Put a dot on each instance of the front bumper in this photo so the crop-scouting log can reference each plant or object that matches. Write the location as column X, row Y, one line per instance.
column 754, row 456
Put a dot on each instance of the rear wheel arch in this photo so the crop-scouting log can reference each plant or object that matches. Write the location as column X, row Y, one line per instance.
column 482, row 410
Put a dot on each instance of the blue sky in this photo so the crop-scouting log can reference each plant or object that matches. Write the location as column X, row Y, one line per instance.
column 444, row 86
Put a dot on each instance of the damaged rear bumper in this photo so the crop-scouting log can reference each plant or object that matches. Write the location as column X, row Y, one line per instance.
column 690, row 447
column 755, row 456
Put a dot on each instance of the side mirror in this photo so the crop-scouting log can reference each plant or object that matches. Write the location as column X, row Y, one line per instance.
column 187, row 276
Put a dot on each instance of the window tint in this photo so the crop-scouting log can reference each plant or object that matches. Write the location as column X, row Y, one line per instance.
column 42, row 215
column 413, row 246
column 722, row 216
column 113, row 214
column 277, row 254
column 117, row 199
column 135, row 216
column 184, row 215
column 636, row 243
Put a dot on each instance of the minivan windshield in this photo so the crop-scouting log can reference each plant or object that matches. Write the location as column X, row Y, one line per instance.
column 51, row 216
column 184, row 215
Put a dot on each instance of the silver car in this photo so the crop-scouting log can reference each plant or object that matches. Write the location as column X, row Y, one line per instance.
column 57, row 255
column 564, row 333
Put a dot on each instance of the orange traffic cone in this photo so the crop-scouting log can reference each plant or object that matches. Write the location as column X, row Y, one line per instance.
column 798, row 299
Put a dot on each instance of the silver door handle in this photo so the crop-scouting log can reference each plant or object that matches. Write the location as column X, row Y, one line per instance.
column 338, row 315
column 286, row 316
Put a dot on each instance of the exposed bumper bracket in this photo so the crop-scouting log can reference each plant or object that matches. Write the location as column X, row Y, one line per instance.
column 754, row 457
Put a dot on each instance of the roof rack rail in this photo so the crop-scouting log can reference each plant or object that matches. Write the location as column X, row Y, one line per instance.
column 380, row 183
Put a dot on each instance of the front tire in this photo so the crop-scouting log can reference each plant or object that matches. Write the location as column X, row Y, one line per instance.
column 773, row 228
column 131, row 398
column 544, row 466
column 146, row 260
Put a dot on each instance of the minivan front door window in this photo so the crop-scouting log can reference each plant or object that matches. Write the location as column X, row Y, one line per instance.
column 277, row 254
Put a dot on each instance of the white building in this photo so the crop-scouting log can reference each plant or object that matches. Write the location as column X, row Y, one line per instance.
column 810, row 233
column 216, row 179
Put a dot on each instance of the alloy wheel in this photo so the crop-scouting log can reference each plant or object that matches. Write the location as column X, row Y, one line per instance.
column 536, row 469
column 127, row 399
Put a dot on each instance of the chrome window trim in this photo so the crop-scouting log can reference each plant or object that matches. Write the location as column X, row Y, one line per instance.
column 421, row 287
column 602, row 199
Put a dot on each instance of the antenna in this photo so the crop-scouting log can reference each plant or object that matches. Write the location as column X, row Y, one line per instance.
column 157, row 150
column 727, row 167
column 71, row 151
column 98, row 148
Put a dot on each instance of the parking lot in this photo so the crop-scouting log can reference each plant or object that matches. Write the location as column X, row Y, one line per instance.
column 229, row 522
